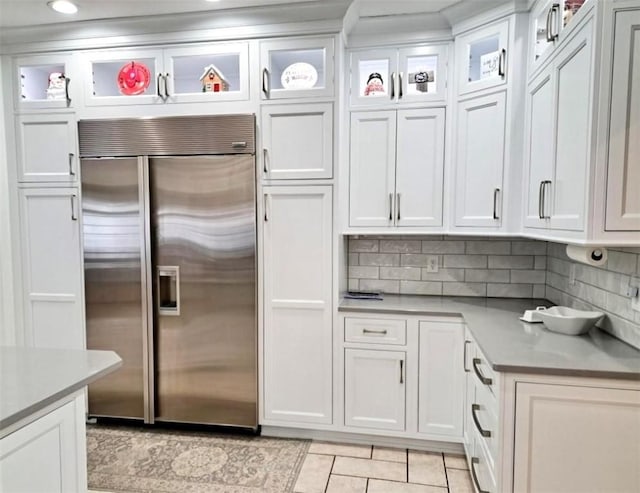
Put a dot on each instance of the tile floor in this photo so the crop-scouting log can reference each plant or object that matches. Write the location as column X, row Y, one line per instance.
column 337, row 468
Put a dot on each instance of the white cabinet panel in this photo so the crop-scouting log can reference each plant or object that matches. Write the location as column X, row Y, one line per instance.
column 539, row 149
column 297, row 141
column 441, row 377
column 375, row 389
column 52, row 267
column 44, row 81
column 480, row 161
column 47, row 148
column 297, row 311
column 420, row 167
column 372, row 168
column 623, row 180
column 573, row 130
column 568, row 438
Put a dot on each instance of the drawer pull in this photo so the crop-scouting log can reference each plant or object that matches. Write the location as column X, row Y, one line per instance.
column 382, row 332
column 402, row 371
column 483, row 432
column 464, row 357
column 474, row 475
column 483, row 379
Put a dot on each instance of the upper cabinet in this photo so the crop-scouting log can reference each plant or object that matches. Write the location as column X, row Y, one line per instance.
column 482, row 58
column 44, row 81
column 549, row 22
column 300, row 68
column 205, row 73
column 407, row 75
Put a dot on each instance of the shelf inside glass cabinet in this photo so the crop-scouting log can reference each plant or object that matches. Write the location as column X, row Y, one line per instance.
column 213, row 74
column 35, row 82
column 106, row 75
column 484, row 57
column 421, row 73
column 297, row 69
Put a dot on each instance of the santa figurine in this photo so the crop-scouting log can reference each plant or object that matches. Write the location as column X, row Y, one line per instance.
column 56, row 89
column 374, row 85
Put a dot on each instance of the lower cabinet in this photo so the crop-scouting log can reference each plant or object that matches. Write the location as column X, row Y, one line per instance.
column 52, row 267
column 48, row 454
column 375, row 389
column 297, row 328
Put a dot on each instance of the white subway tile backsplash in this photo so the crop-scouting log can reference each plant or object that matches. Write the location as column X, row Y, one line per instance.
column 380, row 259
column 528, row 248
column 466, row 261
column 449, row 275
column 367, row 246
column 420, row 287
column 540, row 262
column 488, row 247
column 622, row 262
column 443, row 246
column 354, row 259
column 511, row 262
column 528, row 276
column 402, row 273
column 416, row 260
column 486, row 275
column 364, row 272
column 400, row 246
column 464, row 289
column 509, row 290
column 384, row 286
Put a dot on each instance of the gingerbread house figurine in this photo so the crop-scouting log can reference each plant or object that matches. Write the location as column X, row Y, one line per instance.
column 213, row 80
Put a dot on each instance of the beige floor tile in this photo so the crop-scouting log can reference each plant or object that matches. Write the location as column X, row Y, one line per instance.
column 369, row 468
column 346, row 484
column 426, row 468
column 342, row 449
column 378, row 486
column 455, row 461
column 314, row 474
column 390, row 454
column 459, row 481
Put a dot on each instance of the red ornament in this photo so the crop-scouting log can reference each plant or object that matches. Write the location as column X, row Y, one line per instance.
column 133, row 78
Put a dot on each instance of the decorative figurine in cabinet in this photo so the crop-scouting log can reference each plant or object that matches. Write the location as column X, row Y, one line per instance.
column 213, row 80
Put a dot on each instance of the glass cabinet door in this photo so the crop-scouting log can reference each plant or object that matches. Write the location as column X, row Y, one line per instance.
column 119, row 77
column 374, row 77
column 207, row 73
column 44, row 81
column 297, row 69
column 422, row 73
column 483, row 58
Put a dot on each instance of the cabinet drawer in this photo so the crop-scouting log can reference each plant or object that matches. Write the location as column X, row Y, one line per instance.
column 482, row 474
column 375, row 331
column 484, row 374
column 484, row 415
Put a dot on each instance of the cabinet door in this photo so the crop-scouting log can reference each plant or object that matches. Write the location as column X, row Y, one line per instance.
column 568, row 188
column 48, row 454
column 570, row 438
column 422, row 74
column 420, row 167
column 297, row 68
column 47, row 148
column 480, row 161
column 441, row 379
column 297, row 141
column 52, row 268
column 297, row 312
column 215, row 72
column 374, row 77
column 482, row 58
column 372, row 168
column 44, row 81
column 623, row 199
column 538, row 149
column 468, row 354
column 374, row 393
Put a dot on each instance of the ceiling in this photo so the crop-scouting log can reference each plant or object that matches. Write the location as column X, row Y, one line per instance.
column 22, row 13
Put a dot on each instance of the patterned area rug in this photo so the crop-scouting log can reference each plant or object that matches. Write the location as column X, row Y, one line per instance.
column 133, row 460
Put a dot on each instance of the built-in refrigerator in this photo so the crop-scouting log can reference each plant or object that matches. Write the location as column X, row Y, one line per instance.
column 169, row 239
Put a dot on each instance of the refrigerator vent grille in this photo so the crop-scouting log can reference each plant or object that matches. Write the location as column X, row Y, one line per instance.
column 169, row 136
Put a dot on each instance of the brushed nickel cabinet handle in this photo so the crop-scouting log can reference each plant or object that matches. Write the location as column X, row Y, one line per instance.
column 502, row 61
column 392, row 80
column 548, row 25
column 390, row 207
column 66, row 90
column 474, row 475
column 400, row 94
column 71, row 171
column 266, row 216
column 482, row 431
column 74, row 215
column 495, row 203
column 401, row 371
column 264, row 161
column 374, row 331
column 464, row 356
column 540, row 195
column 265, row 82
column 158, row 79
column 483, row 379
column 398, row 206
column 165, row 80
column 544, row 198
column 555, row 10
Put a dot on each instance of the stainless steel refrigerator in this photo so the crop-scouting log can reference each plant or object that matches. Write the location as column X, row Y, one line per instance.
column 169, row 233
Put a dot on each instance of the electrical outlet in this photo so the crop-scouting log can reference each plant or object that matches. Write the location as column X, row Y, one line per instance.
column 572, row 274
column 432, row 263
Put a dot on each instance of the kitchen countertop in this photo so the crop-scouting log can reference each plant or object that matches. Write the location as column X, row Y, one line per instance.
column 511, row 345
column 33, row 378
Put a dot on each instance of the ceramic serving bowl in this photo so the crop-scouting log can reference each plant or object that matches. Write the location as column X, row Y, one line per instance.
column 565, row 320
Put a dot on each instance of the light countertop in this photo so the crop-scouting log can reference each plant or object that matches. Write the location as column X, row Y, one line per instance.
column 511, row 345
column 33, row 378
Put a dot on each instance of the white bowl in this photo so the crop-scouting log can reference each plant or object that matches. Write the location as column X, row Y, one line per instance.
column 565, row 320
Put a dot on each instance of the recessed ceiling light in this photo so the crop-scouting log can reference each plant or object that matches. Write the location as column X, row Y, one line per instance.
column 63, row 6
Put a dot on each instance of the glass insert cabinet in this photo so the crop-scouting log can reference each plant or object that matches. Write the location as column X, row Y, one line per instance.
column 383, row 77
column 171, row 75
column 44, row 81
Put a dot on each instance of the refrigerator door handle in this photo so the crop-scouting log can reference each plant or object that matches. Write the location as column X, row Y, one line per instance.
column 168, row 290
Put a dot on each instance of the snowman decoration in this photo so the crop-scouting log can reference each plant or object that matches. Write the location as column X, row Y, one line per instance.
column 374, row 85
column 56, row 89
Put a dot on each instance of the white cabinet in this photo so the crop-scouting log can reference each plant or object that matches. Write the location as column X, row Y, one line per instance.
column 374, row 393
column 479, row 161
column 441, row 379
column 47, row 148
column 408, row 75
column 623, row 174
column 44, row 81
column 482, row 58
column 300, row 68
column 297, row 141
column 297, row 247
column 396, row 168
column 48, row 454
column 52, row 268
column 576, row 438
